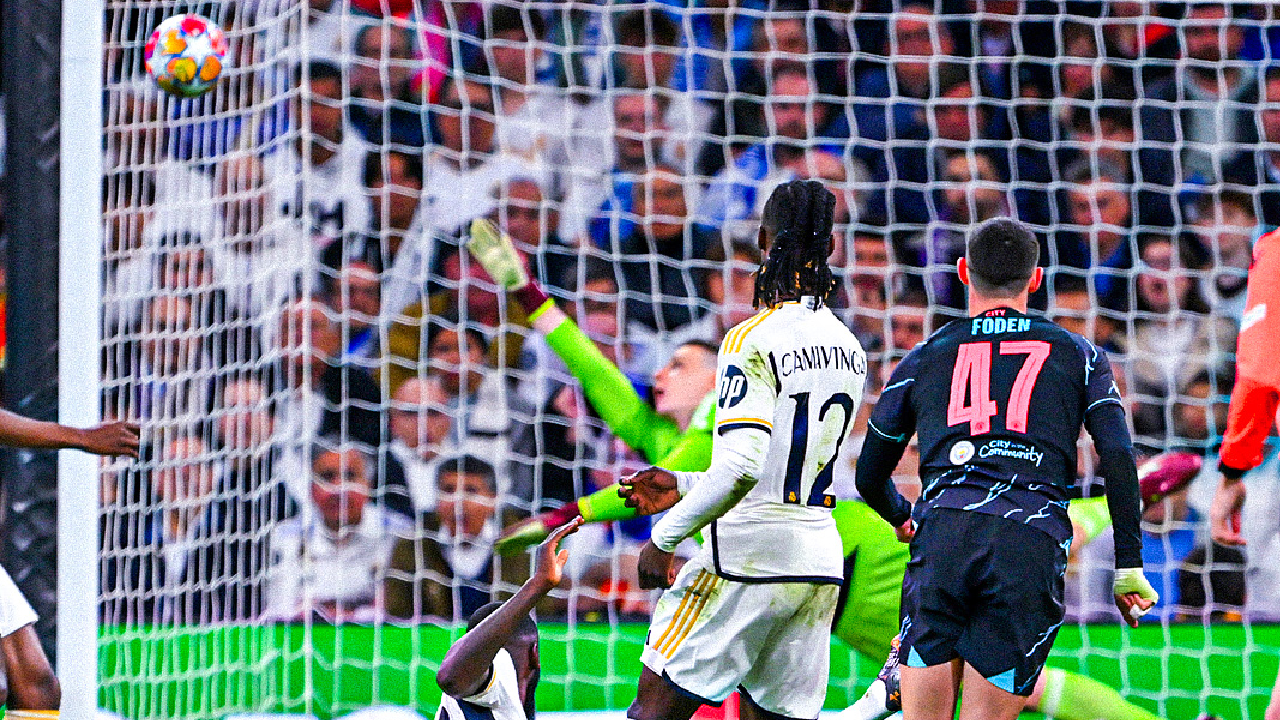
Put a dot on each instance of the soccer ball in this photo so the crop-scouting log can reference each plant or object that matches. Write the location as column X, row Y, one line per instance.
column 185, row 54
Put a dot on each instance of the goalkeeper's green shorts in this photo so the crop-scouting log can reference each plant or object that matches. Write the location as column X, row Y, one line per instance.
column 867, row 618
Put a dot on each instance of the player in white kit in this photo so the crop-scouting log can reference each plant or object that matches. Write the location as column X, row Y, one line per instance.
column 752, row 610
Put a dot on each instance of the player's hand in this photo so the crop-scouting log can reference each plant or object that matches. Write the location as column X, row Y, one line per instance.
column 548, row 570
column 1133, row 594
column 497, row 255
column 650, row 491
column 656, row 567
column 113, row 438
column 906, row 531
column 1224, row 513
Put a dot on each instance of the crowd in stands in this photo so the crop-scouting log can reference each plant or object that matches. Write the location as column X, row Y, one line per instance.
column 341, row 412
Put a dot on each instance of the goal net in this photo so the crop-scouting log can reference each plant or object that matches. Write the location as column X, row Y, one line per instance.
column 341, row 412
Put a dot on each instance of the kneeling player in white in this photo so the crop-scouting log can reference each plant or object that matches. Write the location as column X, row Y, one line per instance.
column 752, row 610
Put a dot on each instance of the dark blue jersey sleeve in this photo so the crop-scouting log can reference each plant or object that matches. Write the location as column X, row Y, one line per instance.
column 894, row 418
column 891, row 426
column 1099, row 382
column 1104, row 419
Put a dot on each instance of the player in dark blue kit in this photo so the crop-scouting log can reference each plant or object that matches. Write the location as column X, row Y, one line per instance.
column 997, row 400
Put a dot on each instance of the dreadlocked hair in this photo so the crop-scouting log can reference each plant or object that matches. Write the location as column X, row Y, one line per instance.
column 798, row 217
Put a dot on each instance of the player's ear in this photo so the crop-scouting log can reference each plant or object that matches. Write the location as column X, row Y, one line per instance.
column 762, row 239
column 962, row 269
column 1037, row 277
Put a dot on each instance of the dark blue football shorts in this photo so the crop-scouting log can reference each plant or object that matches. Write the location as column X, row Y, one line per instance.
column 984, row 589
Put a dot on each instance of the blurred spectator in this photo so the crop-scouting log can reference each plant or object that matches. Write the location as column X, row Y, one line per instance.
column 908, row 322
column 1072, row 306
column 355, row 297
column 397, row 244
column 1136, row 34
column 952, row 118
column 322, row 396
column 128, row 206
column 533, row 121
column 1102, row 124
column 1013, row 40
column 386, row 107
column 173, row 374
column 467, row 163
column 1201, row 122
column 599, row 207
column 330, row 154
column 648, row 53
column 917, row 41
column 870, row 280
column 330, row 561
column 524, row 213
column 1173, row 336
column 1211, row 583
column 1200, row 414
column 490, row 420
column 797, row 120
column 847, row 178
column 448, row 569
column 1082, row 69
column 971, row 192
column 1102, row 214
column 245, row 422
column 658, row 278
column 180, row 550
column 263, row 262
column 1266, row 176
column 420, row 431
column 1227, row 226
column 178, row 264
column 730, row 285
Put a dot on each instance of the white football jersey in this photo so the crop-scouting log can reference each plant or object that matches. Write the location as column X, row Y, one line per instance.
column 798, row 374
column 499, row 700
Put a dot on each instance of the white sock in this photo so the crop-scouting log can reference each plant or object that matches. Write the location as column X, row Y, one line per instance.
column 870, row 706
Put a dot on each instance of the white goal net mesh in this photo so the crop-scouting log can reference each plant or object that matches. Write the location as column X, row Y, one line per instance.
column 341, row 413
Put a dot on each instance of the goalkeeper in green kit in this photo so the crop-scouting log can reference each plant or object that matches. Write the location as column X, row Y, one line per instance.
column 676, row 433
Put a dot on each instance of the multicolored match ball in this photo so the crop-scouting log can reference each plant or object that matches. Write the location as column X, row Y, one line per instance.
column 185, row 55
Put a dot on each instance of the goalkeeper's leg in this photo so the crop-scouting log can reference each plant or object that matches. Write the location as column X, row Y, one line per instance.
column 1071, row 696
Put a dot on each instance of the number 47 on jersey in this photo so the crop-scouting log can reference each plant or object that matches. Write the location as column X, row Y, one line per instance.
column 971, row 385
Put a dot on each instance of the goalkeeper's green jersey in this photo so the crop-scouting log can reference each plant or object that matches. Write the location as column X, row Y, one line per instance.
column 631, row 419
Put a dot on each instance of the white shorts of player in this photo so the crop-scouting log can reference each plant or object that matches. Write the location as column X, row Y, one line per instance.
column 710, row 635
column 15, row 611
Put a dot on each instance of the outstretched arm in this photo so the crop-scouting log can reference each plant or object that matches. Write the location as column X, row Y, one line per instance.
column 466, row 667
column 607, row 389
column 114, row 438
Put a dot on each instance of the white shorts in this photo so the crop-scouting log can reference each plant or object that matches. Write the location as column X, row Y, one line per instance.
column 15, row 611
column 711, row 635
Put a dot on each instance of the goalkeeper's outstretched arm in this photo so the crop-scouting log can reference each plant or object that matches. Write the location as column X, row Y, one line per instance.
column 658, row 438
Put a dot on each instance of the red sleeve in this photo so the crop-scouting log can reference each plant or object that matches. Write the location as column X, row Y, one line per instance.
column 1252, row 415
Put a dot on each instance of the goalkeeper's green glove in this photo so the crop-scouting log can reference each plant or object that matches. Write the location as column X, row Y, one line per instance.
column 497, row 255
column 1134, row 595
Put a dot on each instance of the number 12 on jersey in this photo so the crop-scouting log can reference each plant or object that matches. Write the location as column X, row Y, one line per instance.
column 971, row 385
